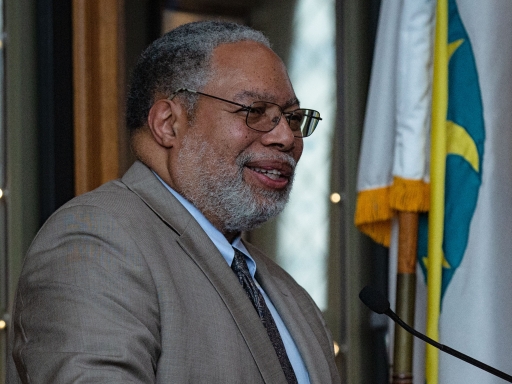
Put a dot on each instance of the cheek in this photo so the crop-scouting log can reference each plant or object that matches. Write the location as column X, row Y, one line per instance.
column 297, row 151
column 231, row 132
column 228, row 149
column 238, row 139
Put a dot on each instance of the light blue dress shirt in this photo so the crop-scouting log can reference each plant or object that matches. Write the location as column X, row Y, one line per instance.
column 226, row 249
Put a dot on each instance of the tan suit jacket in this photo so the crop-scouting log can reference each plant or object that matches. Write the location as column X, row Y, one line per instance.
column 121, row 285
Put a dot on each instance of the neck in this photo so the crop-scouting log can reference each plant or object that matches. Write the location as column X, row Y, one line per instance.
column 230, row 236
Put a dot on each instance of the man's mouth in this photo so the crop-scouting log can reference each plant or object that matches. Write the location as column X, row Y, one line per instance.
column 274, row 174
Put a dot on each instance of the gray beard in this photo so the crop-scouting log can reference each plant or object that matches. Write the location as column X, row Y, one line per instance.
column 224, row 196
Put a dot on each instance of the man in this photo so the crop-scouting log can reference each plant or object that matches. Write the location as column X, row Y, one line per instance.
column 146, row 278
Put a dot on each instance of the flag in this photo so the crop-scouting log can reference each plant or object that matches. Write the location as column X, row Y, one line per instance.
column 475, row 307
column 458, row 135
column 475, row 311
column 393, row 169
column 393, row 173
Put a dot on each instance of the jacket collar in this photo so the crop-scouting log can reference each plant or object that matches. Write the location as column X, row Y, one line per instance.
column 198, row 246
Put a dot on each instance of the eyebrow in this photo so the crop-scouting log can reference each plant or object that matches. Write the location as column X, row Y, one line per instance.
column 266, row 97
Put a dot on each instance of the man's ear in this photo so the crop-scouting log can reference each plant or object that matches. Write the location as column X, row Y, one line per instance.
column 162, row 121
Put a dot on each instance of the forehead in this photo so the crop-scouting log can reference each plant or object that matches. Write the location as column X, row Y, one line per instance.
column 249, row 70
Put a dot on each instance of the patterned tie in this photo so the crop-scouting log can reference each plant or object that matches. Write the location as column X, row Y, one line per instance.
column 239, row 266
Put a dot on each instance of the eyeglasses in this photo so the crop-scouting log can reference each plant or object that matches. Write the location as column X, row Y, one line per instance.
column 264, row 116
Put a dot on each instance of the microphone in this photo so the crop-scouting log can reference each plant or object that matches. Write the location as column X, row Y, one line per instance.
column 376, row 301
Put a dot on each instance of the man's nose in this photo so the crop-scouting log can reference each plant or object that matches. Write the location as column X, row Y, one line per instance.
column 281, row 136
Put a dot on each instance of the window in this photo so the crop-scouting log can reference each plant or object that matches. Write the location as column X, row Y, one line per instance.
column 303, row 228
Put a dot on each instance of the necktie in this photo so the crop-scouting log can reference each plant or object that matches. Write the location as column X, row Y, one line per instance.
column 239, row 266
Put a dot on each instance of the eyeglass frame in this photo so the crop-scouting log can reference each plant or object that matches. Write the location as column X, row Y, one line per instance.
column 247, row 108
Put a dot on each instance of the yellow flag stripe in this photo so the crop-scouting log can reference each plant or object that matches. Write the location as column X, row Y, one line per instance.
column 459, row 142
column 452, row 47
column 437, row 174
column 446, row 264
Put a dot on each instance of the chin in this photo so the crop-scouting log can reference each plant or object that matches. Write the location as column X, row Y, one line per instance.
column 246, row 217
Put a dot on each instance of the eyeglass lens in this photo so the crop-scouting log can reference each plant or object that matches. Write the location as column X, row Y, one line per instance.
column 264, row 116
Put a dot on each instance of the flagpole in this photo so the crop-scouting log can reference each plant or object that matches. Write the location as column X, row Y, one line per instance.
column 405, row 296
column 437, row 175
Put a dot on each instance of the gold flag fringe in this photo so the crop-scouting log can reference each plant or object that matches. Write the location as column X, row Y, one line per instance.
column 376, row 207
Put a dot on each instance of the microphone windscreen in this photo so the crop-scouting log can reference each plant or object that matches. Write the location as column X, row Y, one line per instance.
column 374, row 300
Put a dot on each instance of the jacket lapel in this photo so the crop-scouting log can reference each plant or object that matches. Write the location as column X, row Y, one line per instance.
column 213, row 265
column 198, row 246
column 296, row 320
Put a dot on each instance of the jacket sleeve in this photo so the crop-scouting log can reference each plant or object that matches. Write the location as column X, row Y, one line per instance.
column 86, row 308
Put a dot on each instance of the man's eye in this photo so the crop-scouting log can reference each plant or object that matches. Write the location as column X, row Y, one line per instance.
column 295, row 117
column 256, row 111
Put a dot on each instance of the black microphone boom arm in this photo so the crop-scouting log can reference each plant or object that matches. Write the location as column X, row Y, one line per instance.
column 374, row 300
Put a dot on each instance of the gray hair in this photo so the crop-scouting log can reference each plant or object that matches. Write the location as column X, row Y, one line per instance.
column 180, row 59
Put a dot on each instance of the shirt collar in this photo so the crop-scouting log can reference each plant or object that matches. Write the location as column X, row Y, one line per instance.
column 218, row 239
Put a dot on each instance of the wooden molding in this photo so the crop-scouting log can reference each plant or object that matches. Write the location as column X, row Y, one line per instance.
column 98, row 89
